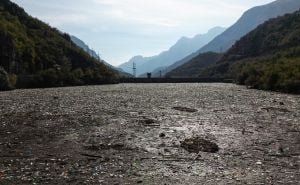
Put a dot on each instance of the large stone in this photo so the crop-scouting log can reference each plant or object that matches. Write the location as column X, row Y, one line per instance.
column 197, row 144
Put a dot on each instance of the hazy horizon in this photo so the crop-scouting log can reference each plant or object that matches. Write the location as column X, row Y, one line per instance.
column 119, row 30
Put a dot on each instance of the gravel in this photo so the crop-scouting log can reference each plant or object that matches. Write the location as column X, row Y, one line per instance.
column 133, row 134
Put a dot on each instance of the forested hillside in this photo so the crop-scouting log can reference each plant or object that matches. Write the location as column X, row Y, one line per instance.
column 33, row 54
column 266, row 58
column 194, row 67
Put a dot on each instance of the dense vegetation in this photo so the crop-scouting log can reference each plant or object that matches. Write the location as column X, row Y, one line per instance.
column 194, row 67
column 267, row 58
column 33, row 54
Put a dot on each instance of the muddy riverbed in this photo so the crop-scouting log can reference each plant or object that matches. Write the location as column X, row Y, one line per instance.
column 173, row 134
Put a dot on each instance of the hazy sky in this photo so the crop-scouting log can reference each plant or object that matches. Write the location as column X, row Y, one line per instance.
column 120, row 29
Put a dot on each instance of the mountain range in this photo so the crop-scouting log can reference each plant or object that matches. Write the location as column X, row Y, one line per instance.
column 249, row 21
column 183, row 47
column 261, row 50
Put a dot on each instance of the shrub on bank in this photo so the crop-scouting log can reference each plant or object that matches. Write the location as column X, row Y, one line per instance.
column 4, row 80
column 271, row 75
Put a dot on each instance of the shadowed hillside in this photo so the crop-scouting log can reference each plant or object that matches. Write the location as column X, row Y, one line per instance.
column 193, row 68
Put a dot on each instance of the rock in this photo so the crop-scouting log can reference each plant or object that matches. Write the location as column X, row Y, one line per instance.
column 275, row 109
column 258, row 163
column 196, row 145
column 281, row 150
column 162, row 135
column 185, row 109
column 149, row 122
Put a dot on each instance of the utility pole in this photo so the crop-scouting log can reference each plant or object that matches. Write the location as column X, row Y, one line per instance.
column 134, row 69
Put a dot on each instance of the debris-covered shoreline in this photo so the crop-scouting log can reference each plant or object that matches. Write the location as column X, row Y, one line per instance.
column 149, row 134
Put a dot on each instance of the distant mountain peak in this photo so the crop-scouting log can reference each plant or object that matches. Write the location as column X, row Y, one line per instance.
column 183, row 38
column 216, row 29
column 247, row 22
column 138, row 57
column 183, row 47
